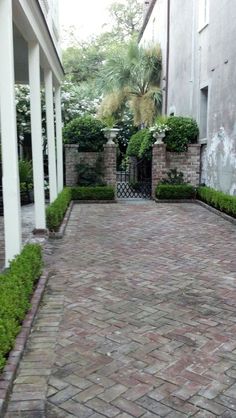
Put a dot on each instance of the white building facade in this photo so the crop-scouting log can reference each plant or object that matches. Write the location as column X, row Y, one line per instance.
column 30, row 54
column 198, row 80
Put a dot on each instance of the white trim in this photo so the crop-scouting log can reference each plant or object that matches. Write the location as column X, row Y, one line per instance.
column 203, row 14
column 59, row 139
column 36, row 135
column 50, row 134
column 28, row 19
column 203, row 141
column 204, row 84
column 11, row 186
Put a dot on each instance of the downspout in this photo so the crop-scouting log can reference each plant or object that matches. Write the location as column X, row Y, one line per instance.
column 167, row 55
column 191, row 104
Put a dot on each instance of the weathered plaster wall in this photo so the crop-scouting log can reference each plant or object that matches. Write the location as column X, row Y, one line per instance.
column 220, row 162
column 155, row 32
column 180, row 62
column 200, row 57
column 221, row 52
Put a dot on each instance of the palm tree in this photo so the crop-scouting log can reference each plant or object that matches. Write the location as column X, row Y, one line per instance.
column 132, row 76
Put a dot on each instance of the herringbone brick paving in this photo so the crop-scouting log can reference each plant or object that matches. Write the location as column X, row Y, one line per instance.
column 138, row 319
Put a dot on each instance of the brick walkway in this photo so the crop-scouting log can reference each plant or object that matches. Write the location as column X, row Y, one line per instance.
column 138, row 320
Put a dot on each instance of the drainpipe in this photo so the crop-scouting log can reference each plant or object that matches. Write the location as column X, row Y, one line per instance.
column 167, row 55
column 191, row 104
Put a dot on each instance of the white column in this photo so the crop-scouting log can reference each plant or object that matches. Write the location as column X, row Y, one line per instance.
column 11, row 190
column 59, row 139
column 50, row 135
column 36, row 135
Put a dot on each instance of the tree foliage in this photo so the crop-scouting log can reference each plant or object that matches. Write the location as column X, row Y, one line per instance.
column 182, row 131
column 87, row 132
column 132, row 75
column 135, row 143
column 126, row 18
column 83, row 62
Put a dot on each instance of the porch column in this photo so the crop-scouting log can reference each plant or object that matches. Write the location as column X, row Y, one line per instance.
column 60, row 181
column 36, row 135
column 50, row 135
column 11, row 189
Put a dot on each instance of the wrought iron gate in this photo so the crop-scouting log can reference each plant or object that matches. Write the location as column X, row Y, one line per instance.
column 134, row 181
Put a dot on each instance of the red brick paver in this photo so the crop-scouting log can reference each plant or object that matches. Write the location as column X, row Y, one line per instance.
column 138, row 320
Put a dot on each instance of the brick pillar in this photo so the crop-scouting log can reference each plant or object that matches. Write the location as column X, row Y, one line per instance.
column 158, row 165
column 133, row 168
column 71, row 160
column 194, row 158
column 110, row 164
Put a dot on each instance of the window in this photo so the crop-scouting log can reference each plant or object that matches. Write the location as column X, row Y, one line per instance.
column 203, row 112
column 203, row 13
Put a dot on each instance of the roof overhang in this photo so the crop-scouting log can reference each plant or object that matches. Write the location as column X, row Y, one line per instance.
column 31, row 24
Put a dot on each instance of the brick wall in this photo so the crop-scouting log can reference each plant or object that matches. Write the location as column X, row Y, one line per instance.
column 187, row 162
column 73, row 157
column 110, row 164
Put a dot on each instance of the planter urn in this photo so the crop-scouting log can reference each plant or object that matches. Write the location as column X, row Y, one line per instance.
column 110, row 134
column 159, row 138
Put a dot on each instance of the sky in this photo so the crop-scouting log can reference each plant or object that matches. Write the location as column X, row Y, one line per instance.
column 87, row 16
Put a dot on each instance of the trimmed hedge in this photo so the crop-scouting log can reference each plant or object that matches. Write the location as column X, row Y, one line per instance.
column 93, row 193
column 182, row 131
column 87, row 132
column 219, row 200
column 56, row 210
column 16, row 287
column 180, row 191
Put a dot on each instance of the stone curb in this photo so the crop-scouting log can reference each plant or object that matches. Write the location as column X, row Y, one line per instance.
column 95, row 201
column 10, row 370
column 216, row 211
column 175, row 200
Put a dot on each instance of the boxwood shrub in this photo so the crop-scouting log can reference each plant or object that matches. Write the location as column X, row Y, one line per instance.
column 180, row 191
column 182, row 131
column 87, row 132
column 219, row 200
column 16, row 286
column 93, row 193
column 55, row 211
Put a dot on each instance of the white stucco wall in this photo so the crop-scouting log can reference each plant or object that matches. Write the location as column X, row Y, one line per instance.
column 203, row 56
column 155, row 33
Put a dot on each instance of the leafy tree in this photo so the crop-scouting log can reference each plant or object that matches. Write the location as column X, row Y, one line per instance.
column 135, row 143
column 79, row 100
column 126, row 18
column 22, row 94
column 83, row 61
